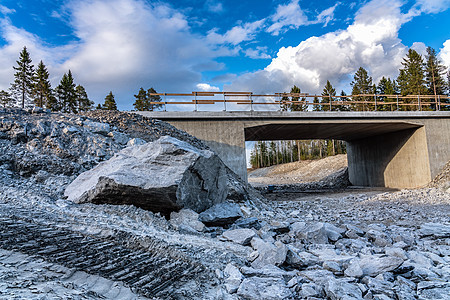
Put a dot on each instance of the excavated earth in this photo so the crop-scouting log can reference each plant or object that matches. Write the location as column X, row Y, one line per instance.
column 343, row 243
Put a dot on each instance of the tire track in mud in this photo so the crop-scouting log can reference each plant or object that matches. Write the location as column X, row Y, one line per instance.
column 155, row 272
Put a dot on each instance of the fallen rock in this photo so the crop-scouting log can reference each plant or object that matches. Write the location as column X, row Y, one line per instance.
column 161, row 176
column 233, row 278
column 268, row 253
column 340, row 289
column 221, row 214
column 372, row 265
column 239, row 236
column 435, row 230
column 256, row 288
column 186, row 217
column 433, row 290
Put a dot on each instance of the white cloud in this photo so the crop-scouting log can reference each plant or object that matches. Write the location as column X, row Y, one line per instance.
column 371, row 42
column 235, row 35
column 327, row 15
column 5, row 10
column 287, row 16
column 214, row 6
column 433, row 6
column 205, row 87
column 444, row 54
column 121, row 45
column 257, row 53
column 291, row 16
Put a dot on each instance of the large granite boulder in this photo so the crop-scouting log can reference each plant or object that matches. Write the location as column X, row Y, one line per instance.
column 161, row 176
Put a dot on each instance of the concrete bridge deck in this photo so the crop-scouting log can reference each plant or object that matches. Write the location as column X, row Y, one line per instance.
column 393, row 149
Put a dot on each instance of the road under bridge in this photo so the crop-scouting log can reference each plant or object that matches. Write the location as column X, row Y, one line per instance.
column 400, row 149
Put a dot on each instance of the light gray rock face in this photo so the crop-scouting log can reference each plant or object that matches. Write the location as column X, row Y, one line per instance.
column 435, row 230
column 256, row 288
column 160, row 176
column 221, row 214
column 239, row 236
column 186, row 217
column 268, row 253
column 372, row 265
column 319, row 233
column 433, row 290
column 233, row 278
column 340, row 289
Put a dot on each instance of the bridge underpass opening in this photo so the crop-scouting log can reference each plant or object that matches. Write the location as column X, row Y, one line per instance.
column 385, row 154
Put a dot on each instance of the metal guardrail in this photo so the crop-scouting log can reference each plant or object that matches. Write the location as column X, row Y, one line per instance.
column 369, row 102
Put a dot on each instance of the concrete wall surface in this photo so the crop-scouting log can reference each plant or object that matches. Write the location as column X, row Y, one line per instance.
column 391, row 149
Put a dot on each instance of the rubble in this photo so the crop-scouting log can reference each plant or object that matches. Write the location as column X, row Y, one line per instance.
column 353, row 244
column 162, row 176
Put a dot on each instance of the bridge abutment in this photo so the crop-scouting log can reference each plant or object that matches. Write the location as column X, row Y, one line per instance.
column 386, row 149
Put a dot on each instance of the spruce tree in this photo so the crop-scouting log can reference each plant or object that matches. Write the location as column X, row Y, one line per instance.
column 327, row 94
column 110, row 103
column 361, row 85
column 22, row 87
column 386, row 86
column 65, row 92
column 434, row 75
column 153, row 98
column 84, row 103
column 412, row 80
column 316, row 102
column 141, row 102
column 42, row 89
column 294, row 106
column 5, row 98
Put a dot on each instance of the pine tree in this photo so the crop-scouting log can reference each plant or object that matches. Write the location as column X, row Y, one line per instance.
column 434, row 75
column 110, row 103
column 65, row 92
column 5, row 98
column 361, row 85
column 327, row 95
column 42, row 89
column 316, row 106
column 302, row 106
column 22, row 87
column 99, row 107
column 412, row 81
column 386, row 86
column 141, row 102
column 344, row 107
column 153, row 98
column 82, row 99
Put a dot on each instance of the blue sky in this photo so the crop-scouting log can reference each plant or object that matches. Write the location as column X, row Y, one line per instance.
column 181, row 46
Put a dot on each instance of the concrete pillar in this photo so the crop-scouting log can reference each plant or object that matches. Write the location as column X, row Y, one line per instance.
column 226, row 138
column 397, row 159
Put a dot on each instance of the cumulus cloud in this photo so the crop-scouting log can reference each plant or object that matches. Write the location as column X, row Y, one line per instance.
column 205, row 87
column 291, row 16
column 444, row 54
column 120, row 45
column 371, row 42
column 235, row 35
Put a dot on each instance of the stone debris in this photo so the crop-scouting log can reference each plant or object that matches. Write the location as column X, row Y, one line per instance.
column 221, row 214
column 162, row 176
column 354, row 244
column 239, row 236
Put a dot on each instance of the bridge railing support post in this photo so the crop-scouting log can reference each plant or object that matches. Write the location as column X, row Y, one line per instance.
column 251, row 102
column 195, row 99
column 224, row 102
column 438, row 105
column 418, row 102
column 165, row 102
column 397, row 101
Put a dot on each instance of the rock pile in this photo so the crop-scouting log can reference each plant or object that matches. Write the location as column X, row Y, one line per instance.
column 345, row 246
column 161, row 176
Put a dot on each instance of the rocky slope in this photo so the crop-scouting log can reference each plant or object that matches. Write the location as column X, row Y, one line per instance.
column 341, row 246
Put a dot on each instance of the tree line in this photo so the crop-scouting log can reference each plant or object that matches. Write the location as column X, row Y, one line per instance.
column 269, row 153
column 418, row 76
column 31, row 86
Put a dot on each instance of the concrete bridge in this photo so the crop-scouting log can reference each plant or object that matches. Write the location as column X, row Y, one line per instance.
column 391, row 149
